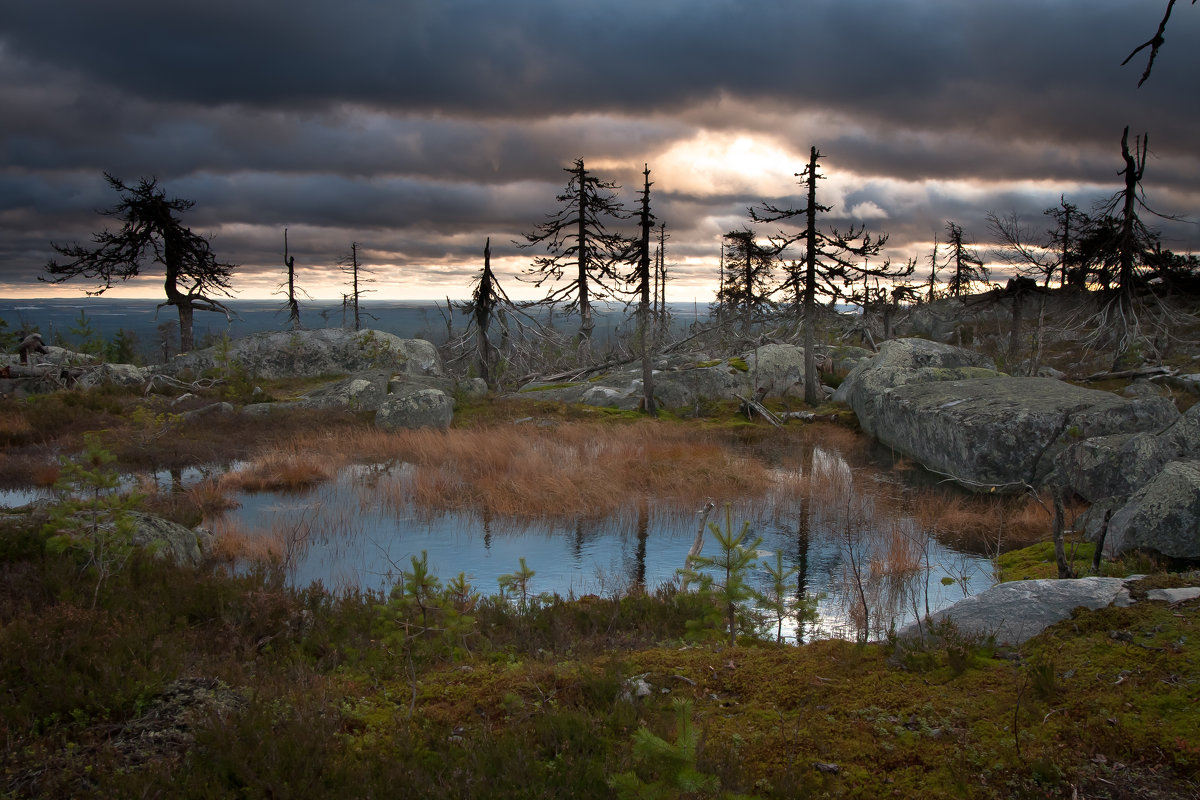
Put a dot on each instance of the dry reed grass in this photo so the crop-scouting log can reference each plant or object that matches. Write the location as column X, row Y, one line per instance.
column 582, row 468
column 290, row 468
column 232, row 544
column 983, row 523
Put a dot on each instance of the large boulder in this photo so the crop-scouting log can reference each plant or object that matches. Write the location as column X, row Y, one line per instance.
column 1004, row 432
column 928, row 402
column 1163, row 516
column 1116, row 466
column 420, row 408
column 900, row 362
column 311, row 353
column 1017, row 611
column 168, row 539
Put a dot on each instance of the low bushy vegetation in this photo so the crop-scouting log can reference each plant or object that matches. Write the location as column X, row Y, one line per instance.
column 198, row 683
column 168, row 681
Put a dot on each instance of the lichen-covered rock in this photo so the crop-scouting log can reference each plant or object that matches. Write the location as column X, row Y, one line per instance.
column 1110, row 466
column 929, row 402
column 168, row 539
column 900, row 362
column 421, row 408
column 1163, row 516
column 311, row 353
column 1019, row 610
column 112, row 374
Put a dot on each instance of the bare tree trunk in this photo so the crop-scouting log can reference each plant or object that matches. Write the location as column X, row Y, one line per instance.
column 186, row 337
column 1060, row 554
column 812, row 382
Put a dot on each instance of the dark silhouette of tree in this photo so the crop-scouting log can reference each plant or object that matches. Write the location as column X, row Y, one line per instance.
column 642, row 278
column 292, row 304
column 660, row 277
column 832, row 259
column 487, row 298
column 965, row 264
column 150, row 231
column 1138, row 253
column 577, row 236
column 933, row 271
column 349, row 265
column 1154, row 43
column 746, row 278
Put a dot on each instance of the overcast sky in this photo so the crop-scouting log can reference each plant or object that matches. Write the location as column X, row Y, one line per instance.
column 420, row 128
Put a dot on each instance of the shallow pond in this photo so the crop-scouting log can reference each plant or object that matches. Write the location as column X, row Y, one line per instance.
column 831, row 521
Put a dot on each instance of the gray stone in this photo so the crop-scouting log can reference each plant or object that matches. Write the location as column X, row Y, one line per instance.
column 473, row 388
column 1111, row 466
column 209, row 410
column 311, row 353
column 1144, row 389
column 1163, row 516
column 1002, row 432
column 112, row 374
column 900, row 362
column 422, row 408
column 169, row 539
column 1174, row 596
column 1016, row 612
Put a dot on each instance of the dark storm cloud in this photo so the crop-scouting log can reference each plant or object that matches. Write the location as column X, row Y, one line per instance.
column 427, row 125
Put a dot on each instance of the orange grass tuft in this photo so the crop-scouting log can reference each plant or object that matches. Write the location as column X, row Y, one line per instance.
column 288, row 470
column 574, row 469
column 232, row 544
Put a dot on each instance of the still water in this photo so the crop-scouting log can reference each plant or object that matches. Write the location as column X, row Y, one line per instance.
column 832, row 524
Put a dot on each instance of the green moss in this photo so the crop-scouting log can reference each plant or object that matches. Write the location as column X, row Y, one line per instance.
column 739, row 364
column 706, row 364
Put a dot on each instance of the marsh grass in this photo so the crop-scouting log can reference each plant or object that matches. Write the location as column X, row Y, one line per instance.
column 581, row 469
column 288, row 469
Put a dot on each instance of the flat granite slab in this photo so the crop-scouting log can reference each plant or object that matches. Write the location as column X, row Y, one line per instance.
column 1017, row 611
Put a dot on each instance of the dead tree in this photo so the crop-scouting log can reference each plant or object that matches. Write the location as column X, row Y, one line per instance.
column 642, row 279
column 832, row 259
column 746, row 278
column 966, row 265
column 150, row 231
column 577, row 236
column 358, row 276
column 292, row 303
column 1154, row 43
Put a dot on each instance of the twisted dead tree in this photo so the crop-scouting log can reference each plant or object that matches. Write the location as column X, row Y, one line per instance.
column 151, row 231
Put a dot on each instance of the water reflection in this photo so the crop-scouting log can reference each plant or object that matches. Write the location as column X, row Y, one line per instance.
column 870, row 567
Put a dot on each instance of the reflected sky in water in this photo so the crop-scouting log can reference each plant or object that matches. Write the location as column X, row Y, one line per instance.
column 347, row 533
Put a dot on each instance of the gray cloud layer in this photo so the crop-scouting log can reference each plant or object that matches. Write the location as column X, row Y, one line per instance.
column 421, row 127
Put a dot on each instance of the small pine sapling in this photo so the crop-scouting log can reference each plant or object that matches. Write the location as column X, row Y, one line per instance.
column 670, row 767
column 735, row 555
column 517, row 583
column 92, row 519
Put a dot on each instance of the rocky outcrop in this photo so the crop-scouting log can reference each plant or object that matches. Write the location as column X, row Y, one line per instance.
column 1017, row 611
column 312, row 353
column 1163, row 516
column 168, row 539
column 900, row 362
column 419, row 408
column 397, row 401
column 947, row 409
column 683, row 381
column 1146, row 485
